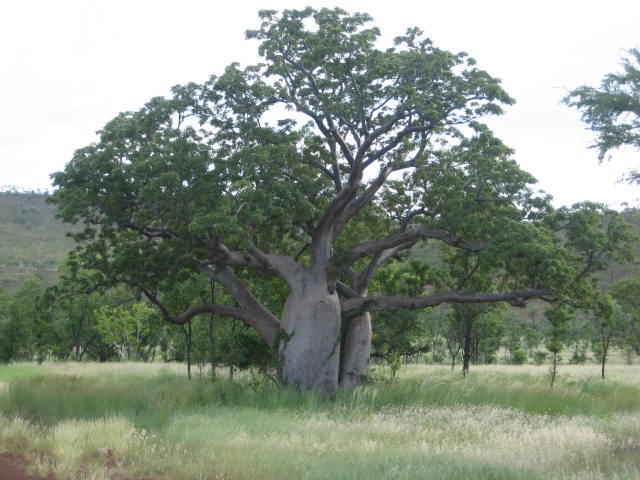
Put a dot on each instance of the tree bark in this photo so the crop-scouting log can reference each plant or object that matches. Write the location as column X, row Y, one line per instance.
column 310, row 342
column 356, row 351
column 466, row 342
column 554, row 366
column 605, row 346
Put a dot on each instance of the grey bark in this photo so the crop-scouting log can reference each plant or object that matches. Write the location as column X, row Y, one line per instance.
column 356, row 351
column 310, row 346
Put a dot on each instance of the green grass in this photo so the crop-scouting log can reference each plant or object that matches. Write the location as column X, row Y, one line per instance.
column 13, row 371
column 498, row 423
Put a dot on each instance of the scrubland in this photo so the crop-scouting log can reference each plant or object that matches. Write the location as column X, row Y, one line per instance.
column 99, row 422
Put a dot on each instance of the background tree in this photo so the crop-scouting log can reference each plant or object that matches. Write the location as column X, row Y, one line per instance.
column 582, row 337
column 626, row 293
column 595, row 236
column 612, row 111
column 401, row 333
column 26, row 331
column 128, row 328
column 383, row 149
column 559, row 315
column 77, row 296
column 604, row 318
column 74, row 325
column 453, row 333
column 512, row 340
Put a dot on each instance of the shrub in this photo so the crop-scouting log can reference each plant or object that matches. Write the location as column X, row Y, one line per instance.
column 518, row 356
column 540, row 358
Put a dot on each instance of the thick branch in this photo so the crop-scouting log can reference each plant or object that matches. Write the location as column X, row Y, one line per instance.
column 374, row 186
column 220, row 254
column 362, row 281
column 150, row 232
column 393, row 143
column 327, row 229
column 285, row 267
column 356, row 204
column 409, row 237
column 346, row 291
column 265, row 327
column 191, row 312
column 329, row 130
column 354, row 306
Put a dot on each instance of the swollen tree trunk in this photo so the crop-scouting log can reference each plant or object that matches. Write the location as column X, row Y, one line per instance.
column 310, row 338
column 356, row 351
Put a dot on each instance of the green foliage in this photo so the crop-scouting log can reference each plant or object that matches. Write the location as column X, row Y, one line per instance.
column 612, row 111
column 540, row 357
column 626, row 293
column 401, row 332
column 314, row 171
column 127, row 329
column 26, row 323
column 188, row 179
column 518, row 356
column 241, row 347
column 559, row 315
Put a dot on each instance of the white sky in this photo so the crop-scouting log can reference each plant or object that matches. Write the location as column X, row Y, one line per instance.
column 69, row 66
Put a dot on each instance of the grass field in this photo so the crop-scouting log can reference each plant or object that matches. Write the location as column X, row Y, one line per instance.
column 90, row 421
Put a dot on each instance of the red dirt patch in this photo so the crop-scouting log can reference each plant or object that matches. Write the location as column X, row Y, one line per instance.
column 13, row 467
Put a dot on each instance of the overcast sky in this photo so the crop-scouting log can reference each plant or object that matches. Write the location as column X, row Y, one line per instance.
column 68, row 67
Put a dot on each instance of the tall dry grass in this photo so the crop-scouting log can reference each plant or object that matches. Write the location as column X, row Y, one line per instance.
column 498, row 423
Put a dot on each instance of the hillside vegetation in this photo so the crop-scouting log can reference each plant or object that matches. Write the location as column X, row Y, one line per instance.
column 32, row 241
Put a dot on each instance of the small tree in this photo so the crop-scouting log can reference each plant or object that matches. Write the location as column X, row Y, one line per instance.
column 453, row 335
column 559, row 315
column 518, row 356
column 125, row 328
column 26, row 323
column 604, row 319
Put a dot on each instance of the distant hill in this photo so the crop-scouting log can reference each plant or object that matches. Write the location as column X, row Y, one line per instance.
column 616, row 271
column 32, row 241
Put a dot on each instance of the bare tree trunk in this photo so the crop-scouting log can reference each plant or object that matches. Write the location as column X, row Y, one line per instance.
column 554, row 367
column 466, row 344
column 453, row 345
column 310, row 339
column 212, row 332
column 605, row 346
column 356, row 352
column 187, row 336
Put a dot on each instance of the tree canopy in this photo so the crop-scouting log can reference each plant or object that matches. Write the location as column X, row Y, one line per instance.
column 612, row 111
column 293, row 181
